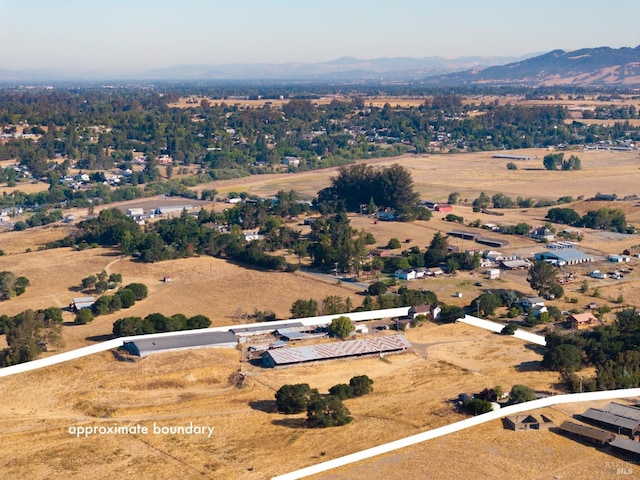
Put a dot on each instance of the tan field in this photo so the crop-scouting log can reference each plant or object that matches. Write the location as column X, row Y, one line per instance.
column 250, row 440
column 411, row 395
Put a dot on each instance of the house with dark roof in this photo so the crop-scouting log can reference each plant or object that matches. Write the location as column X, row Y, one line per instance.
column 527, row 422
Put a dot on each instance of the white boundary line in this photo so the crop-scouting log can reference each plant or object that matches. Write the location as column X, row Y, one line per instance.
column 455, row 427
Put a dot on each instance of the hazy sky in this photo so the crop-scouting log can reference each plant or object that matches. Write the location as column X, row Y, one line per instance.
column 129, row 36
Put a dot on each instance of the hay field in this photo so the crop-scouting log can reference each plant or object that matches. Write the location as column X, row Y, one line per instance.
column 411, row 394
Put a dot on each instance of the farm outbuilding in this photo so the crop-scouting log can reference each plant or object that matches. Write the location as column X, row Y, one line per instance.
column 335, row 350
column 626, row 447
column 527, row 422
column 587, row 434
column 492, row 273
column 612, row 422
column 79, row 303
column 147, row 346
column 568, row 256
column 621, row 410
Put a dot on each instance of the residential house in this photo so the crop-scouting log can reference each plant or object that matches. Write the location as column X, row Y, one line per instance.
column 583, row 321
column 532, row 302
column 408, row 274
column 432, row 311
column 542, row 234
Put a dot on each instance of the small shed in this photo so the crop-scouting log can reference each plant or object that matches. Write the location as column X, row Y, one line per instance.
column 79, row 303
column 492, row 273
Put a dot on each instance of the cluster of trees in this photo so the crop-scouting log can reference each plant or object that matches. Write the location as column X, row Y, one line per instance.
column 124, row 298
column 29, row 333
column 100, row 282
column 375, row 299
column 359, row 186
column 555, row 161
column 38, row 219
column 611, row 349
column 611, row 219
column 157, row 323
column 322, row 410
column 481, row 402
column 11, row 285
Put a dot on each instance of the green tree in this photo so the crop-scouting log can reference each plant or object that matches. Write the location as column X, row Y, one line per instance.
column 304, row 308
column 84, row 316
column 89, row 282
column 477, row 406
column 127, row 297
column 327, row 411
column 294, row 398
column 563, row 357
column 553, row 160
column 361, row 385
column 487, row 303
column 12, row 285
column 393, row 244
column 453, row 198
column 543, row 278
column 139, row 289
column 521, row 393
column 377, row 288
column 341, row 327
column 342, row 391
column 437, row 251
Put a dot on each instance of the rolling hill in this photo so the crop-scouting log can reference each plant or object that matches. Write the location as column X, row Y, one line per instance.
column 602, row 66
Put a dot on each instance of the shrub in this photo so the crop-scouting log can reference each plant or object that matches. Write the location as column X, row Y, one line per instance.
column 477, row 406
column 509, row 329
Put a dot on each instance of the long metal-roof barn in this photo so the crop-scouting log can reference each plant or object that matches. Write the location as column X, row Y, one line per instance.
column 148, row 346
column 328, row 351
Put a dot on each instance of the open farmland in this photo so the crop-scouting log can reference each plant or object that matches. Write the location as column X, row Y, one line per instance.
column 411, row 394
column 411, row 391
column 437, row 175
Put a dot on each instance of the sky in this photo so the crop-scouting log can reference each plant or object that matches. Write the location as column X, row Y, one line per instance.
column 131, row 36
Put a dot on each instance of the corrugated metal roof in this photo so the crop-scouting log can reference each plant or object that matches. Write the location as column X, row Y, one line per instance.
column 266, row 327
column 621, row 410
column 626, row 444
column 326, row 351
column 568, row 255
column 147, row 346
column 610, row 419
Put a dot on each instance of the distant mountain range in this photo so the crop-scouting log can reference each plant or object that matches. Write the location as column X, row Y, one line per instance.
column 589, row 66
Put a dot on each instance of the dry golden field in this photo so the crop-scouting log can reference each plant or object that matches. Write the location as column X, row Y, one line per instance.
column 411, row 394
column 252, row 441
